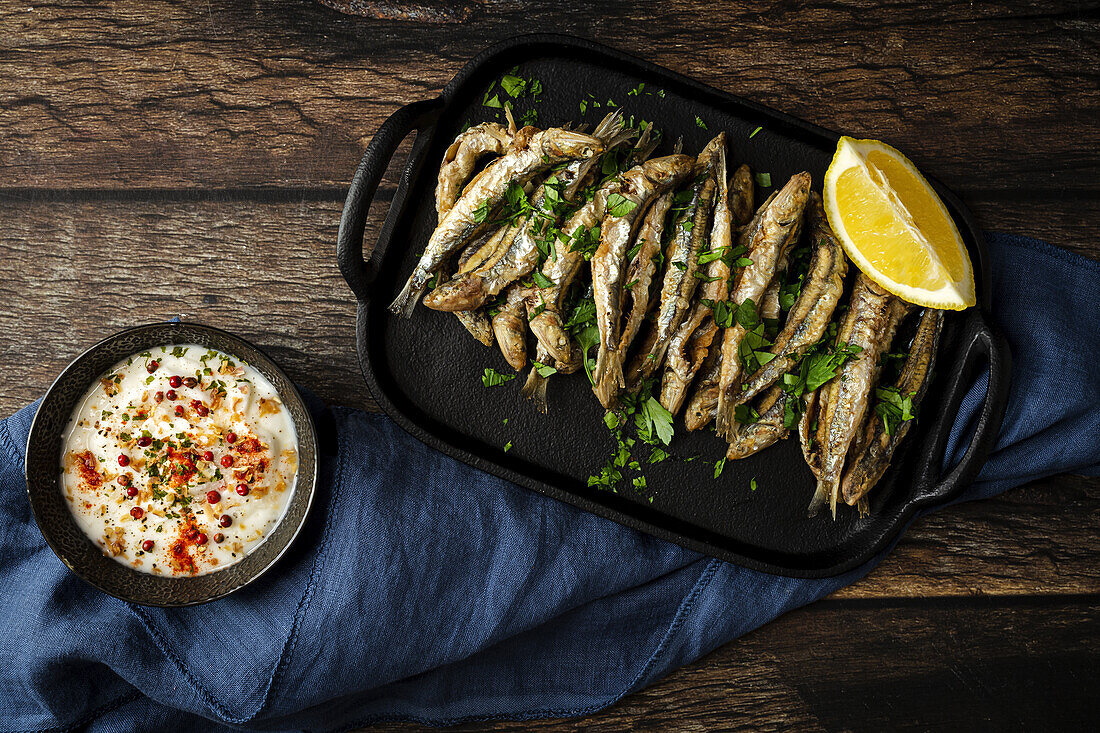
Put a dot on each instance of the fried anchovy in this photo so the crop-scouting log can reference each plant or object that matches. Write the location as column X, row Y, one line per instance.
column 474, row 255
column 767, row 430
column 546, row 304
column 510, row 327
column 867, row 465
column 625, row 205
column 488, row 138
column 870, row 323
column 636, row 301
column 812, row 311
column 764, row 249
column 532, row 237
column 692, row 341
column 688, row 235
column 704, row 402
column 568, row 256
column 531, row 153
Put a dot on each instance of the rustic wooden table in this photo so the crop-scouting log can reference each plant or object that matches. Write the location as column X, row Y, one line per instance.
column 161, row 158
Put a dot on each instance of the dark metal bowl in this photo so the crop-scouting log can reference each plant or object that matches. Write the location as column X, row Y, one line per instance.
column 56, row 522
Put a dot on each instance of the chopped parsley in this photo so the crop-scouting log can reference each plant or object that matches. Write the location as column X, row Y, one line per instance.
column 493, row 378
column 619, row 205
column 541, row 280
column 893, row 407
column 544, row 370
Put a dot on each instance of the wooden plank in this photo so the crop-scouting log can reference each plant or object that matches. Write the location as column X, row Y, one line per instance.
column 167, row 94
column 267, row 271
column 73, row 273
column 968, row 665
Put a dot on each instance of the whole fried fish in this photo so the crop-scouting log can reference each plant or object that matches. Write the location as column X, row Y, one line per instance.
column 678, row 285
column 877, row 446
column 812, row 310
column 624, row 207
column 692, row 341
column 872, row 318
column 475, row 287
column 764, row 249
column 637, row 298
column 531, row 153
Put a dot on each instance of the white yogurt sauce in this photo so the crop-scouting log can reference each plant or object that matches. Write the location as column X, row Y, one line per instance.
column 179, row 461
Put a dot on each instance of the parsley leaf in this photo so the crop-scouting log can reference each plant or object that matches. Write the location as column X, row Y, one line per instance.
column 893, row 407
column 619, row 205
column 544, row 370
column 659, row 419
column 541, row 280
column 492, row 378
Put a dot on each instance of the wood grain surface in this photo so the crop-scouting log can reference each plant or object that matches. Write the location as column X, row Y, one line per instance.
column 202, row 151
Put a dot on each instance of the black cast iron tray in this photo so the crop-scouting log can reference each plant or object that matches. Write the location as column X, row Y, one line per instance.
column 425, row 371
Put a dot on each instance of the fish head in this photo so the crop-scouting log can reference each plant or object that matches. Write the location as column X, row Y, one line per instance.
column 792, row 198
column 708, row 157
column 560, row 145
column 669, row 170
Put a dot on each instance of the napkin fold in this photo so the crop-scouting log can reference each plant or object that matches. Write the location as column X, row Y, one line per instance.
column 422, row 589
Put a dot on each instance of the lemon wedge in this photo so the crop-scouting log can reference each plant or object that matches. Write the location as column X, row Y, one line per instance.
column 895, row 228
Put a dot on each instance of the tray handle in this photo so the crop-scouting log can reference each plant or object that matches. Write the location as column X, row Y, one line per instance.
column 985, row 343
column 358, row 273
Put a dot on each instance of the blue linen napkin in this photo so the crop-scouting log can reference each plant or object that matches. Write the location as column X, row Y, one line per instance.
column 425, row 590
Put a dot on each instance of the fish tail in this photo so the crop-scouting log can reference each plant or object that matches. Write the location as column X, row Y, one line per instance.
column 673, row 389
column 724, row 422
column 606, row 377
column 820, row 496
column 406, row 300
column 534, row 389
